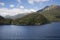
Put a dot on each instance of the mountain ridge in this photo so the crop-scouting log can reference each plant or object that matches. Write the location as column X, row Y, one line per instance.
column 52, row 12
column 53, row 6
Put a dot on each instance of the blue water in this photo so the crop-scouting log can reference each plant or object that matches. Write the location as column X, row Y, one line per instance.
column 44, row 32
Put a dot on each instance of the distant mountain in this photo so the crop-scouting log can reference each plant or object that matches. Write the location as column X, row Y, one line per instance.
column 18, row 16
column 8, row 17
column 15, row 16
column 51, row 12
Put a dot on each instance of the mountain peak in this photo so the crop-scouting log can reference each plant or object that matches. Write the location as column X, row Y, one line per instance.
column 54, row 6
column 51, row 7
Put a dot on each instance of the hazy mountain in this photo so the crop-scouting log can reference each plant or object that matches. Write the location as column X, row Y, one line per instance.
column 8, row 16
column 15, row 16
column 18, row 16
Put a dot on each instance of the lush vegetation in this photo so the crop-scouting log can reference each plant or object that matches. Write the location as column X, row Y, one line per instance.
column 5, row 21
column 52, row 15
column 31, row 19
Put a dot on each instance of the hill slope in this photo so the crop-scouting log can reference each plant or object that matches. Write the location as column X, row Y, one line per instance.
column 51, row 12
column 31, row 19
column 4, row 21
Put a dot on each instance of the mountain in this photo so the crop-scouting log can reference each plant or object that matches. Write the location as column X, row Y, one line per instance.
column 15, row 16
column 18, row 16
column 42, row 9
column 8, row 17
column 51, row 12
column 31, row 19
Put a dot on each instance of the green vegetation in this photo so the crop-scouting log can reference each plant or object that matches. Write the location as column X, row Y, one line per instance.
column 5, row 22
column 52, row 13
column 31, row 19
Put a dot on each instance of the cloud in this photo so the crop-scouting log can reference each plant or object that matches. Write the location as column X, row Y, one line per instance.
column 30, row 1
column 37, row 1
column 2, row 4
column 14, row 11
column 11, row 5
column 22, row 7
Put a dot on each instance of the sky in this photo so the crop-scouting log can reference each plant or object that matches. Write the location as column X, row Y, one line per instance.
column 14, row 7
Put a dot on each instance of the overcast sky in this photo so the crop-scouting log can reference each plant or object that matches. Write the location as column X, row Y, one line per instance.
column 13, row 7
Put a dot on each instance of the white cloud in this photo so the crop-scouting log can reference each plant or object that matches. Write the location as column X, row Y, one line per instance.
column 14, row 11
column 32, row 10
column 30, row 1
column 3, row 4
column 37, row 1
column 11, row 5
column 22, row 7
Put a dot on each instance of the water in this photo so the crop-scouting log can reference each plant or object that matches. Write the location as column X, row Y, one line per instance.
column 44, row 32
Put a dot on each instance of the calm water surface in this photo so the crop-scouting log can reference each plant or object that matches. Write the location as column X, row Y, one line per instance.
column 44, row 32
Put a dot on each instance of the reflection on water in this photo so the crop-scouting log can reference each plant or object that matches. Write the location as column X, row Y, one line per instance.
column 13, row 32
